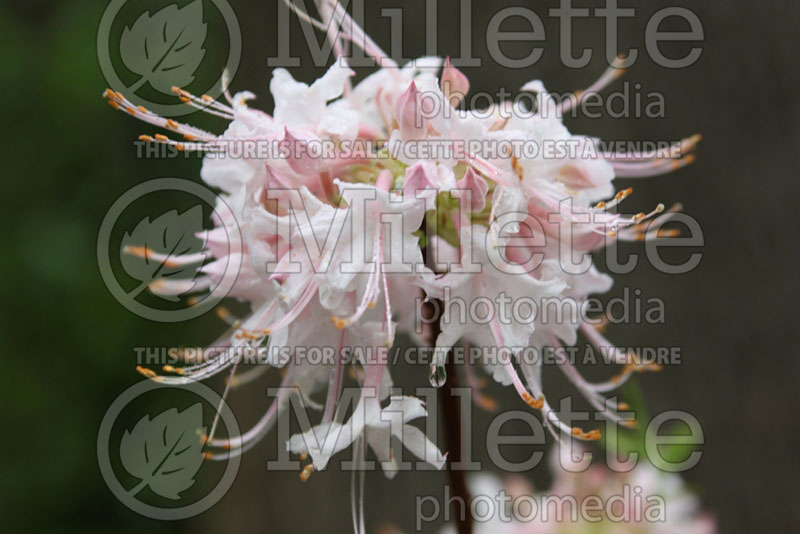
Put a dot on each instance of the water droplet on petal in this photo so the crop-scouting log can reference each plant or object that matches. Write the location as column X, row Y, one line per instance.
column 438, row 375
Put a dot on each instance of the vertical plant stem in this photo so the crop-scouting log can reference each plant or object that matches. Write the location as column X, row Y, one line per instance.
column 450, row 404
column 451, row 411
column 451, row 416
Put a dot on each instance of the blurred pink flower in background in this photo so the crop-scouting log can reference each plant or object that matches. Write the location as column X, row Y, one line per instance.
column 588, row 499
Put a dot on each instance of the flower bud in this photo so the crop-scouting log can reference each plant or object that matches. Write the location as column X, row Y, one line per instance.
column 472, row 189
column 455, row 85
column 408, row 112
column 420, row 177
column 299, row 153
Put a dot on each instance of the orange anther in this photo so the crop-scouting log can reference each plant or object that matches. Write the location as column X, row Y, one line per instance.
column 307, row 470
column 149, row 373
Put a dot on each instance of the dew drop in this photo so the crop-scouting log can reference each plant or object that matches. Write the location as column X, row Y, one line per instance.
column 438, row 375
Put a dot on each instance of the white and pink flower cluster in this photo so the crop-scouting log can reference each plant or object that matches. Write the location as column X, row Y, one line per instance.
column 337, row 245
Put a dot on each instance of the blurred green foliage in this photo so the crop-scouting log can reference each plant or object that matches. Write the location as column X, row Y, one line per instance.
column 67, row 344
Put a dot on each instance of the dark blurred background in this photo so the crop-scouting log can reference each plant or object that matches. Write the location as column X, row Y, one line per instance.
column 68, row 345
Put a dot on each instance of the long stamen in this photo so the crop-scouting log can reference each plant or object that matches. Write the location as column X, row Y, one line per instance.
column 168, row 260
column 354, row 34
column 614, row 71
column 248, row 376
column 508, row 364
column 236, row 445
column 550, row 416
column 628, row 359
column 118, row 101
column 204, row 103
column 643, row 232
column 292, row 314
column 233, row 340
column 222, row 399
column 478, row 397
column 388, row 307
column 646, row 169
column 178, row 286
column 336, row 42
column 359, row 37
column 675, row 151
column 598, row 401
column 353, row 501
column 194, row 139
column 334, row 383
column 370, row 292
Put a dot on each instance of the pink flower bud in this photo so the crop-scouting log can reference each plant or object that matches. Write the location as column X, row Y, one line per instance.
column 384, row 181
column 419, row 177
column 276, row 180
column 408, row 112
column 455, row 85
column 277, row 195
column 472, row 189
column 299, row 153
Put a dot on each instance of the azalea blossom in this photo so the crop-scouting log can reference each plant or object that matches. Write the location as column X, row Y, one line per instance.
column 375, row 425
column 344, row 233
